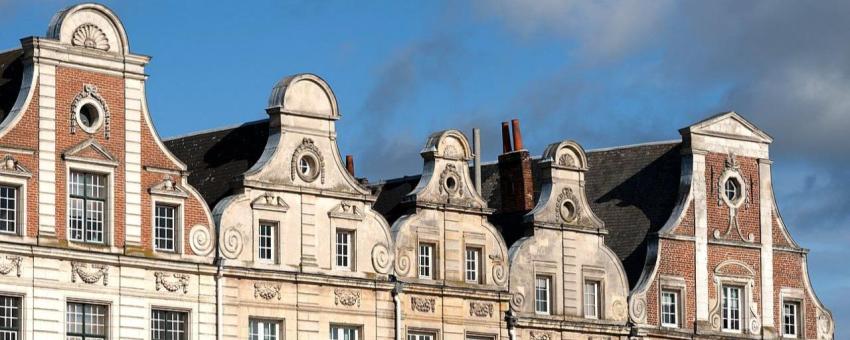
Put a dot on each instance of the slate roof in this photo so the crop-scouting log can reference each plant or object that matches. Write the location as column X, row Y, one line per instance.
column 633, row 189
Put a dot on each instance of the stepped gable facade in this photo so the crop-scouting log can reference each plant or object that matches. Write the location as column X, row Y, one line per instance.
column 262, row 231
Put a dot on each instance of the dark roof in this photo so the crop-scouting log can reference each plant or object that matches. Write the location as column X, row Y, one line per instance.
column 216, row 159
column 11, row 78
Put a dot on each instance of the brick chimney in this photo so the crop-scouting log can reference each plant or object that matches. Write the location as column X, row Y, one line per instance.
column 515, row 181
column 349, row 164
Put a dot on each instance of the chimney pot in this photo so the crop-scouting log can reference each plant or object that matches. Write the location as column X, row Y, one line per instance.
column 517, row 135
column 349, row 164
column 506, row 138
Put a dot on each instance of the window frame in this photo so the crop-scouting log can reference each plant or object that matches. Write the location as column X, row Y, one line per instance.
column 726, row 310
column 84, row 335
column 186, row 321
column 477, row 262
column 348, row 256
column 597, row 299
column 19, row 308
column 106, row 201
column 548, row 279
column 798, row 305
column 432, row 249
column 341, row 328
column 676, row 309
column 273, row 239
column 263, row 320
column 177, row 225
column 420, row 334
column 16, row 211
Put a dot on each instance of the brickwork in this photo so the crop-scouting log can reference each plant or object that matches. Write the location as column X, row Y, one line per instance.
column 718, row 211
column 677, row 261
column 25, row 136
column 686, row 226
column 515, row 179
column 787, row 271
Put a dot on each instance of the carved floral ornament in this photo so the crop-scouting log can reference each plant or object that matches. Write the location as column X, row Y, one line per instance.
column 540, row 336
column 172, row 282
column 481, row 309
column 90, row 98
column 307, row 162
column 346, row 297
column 89, row 273
column 567, row 207
column 266, row 290
column 735, row 191
column 10, row 263
column 450, row 182
column 423, row 304
column 90, row 36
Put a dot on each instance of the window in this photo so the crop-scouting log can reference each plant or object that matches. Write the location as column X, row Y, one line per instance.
column 344, row 244
column 421, row 336
column 732, row 189
column 480, row 337
column 542, row 296
column 168, row 325
column 87, row 207
column 345, row 333
column 165, row 220
column 266, row 241
column 426, row 261
column 10, row 317
column 473, row 262
column 790, row 319
column 263, row 329
column 8, row 209
column 591, row 299
column 731, row 308
column 669, row 308
column 86, row 321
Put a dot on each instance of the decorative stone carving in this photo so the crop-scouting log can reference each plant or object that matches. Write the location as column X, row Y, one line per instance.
column 89, row 95
column 168, row 187
column 348, row 210
column 731, row 171
column 200, row 240
column 423, row 304
column 90, row 36
column 271, row 202
column 308, row 147
column 450, row 182
column 90, row 273
column 540, row 336
column 637, row 309
column 346, row 297
column 11, row 263
column 402, row 265
column 568, row 215
column 618, row 309
column 481, row 309
column 266, row 290
column 500, row 272
column 232, row 245
column 824, row 325
column 566, row 161
column 381, row 258
column 172, row 282
column 10, row 166
column 517, row 300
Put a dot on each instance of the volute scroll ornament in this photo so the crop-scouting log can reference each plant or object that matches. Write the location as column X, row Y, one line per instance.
column 637, row 308
column 381, row 258
column 200, row 240
column 233, row 242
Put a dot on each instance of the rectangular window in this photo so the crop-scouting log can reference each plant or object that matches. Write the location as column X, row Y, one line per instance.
column 480, row 337
column 165, row 221
column 10, row 318
column 345, row 333
column 473, row 262
column 731, row 317
column 790, row 319
column 426, row 261
column 8, row 209
column 86, row 321
column 266, row 246
column 87, row 207
column 591, row 299
column 263, row 329
column 168, row 325
column 344, row 244
column 669, row 308
column 421, row 336
column 542, row 295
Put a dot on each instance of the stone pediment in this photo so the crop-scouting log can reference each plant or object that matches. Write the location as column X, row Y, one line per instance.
column 729, row 125
column 90, row 151
column 10, row 166
column 270, row 202
column 347, row 210
column 168, row 188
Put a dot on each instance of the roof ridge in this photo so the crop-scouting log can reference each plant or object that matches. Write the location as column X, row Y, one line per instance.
column 216, row 129
column 629, row 146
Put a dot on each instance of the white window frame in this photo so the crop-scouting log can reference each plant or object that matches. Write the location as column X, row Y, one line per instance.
column 547, row 289
column 337, row 332
column 96, row 167
column 798, row 306
column 178, row 224
column 108, row 202
column 726, row 308
column 273, row 239
column 472, row 264
column 187, row 325
column 675, row 308
column 18, row 308
column 260, row 322
column 425, row 260
column 344, row 260
column 19, row 183
column 421, row 335
column 592, row 299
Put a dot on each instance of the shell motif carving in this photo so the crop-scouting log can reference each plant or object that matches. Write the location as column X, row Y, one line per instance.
column 200, row 240
column 9, row 264
column 90, row 36
column 232, row 245
column 540, row 336
column 567, row 161
column 89, row 274
column 346, row 297
column 266, row 290
column 637, row 310
column 481, row 309
column 517, row 300
column 423, row 304
column 381, row 258
column 173, row 282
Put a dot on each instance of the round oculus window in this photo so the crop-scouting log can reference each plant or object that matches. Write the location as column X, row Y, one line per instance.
column 307, row 168
column 89, row 117
column 568, row 211
column 451, row 184
column 732, row 190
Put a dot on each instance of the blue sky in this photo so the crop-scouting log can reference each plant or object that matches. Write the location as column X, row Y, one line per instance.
column 603, row 73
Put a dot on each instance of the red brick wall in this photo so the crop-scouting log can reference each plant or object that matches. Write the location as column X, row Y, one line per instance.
column 717, row 254
column 718, row 214
column 24, row 135
column 677, row 259
column 687, row 225
column 70, row 82
column 788, row 273
column 778, row 236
